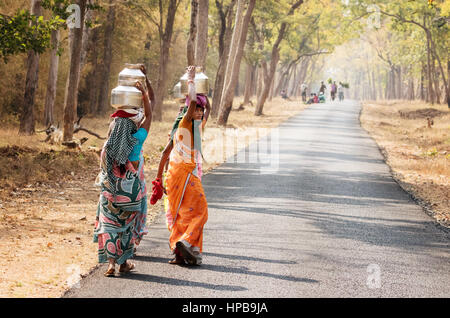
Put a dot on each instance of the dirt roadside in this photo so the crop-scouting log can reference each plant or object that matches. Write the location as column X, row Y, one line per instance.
column 415, row 140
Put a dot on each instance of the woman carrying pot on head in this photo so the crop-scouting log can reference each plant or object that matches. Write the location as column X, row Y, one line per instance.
column 164, row 160
column 188, row 209
column 122, row 207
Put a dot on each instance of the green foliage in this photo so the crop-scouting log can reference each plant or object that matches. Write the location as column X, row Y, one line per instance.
column 345, row 85
column 24, row 31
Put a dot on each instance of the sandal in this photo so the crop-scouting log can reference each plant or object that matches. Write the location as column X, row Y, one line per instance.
column 177, row 260
column 128, row 268
column 187, row 253
column 110, row 272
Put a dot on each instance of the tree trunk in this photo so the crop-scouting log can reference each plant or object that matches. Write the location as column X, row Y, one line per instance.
column 259, row 81
column 233, row 47
column 70, row 103
column 201, row 44
column 27, row 120
column 249, row 74
column 166, row 40
column 283, row 78
column 226, row 18
column 86, row 36
column 422, row 79
column 436, row 56
column 52, row 79
column 430, row 83
column 374, row 87
column 436, row 81
column 95, row 74
column 271, row 91
column 103, row 101
column 192, row 33
column 293, row 86
column 302, row 77
column 268, row 74
column 399, row 83
column 410, row 89
column 233, row 69
column 448, row 88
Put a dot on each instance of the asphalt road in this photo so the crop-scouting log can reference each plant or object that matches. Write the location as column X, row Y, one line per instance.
column 330, row 223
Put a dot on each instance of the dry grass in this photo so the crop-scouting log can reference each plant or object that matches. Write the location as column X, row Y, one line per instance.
column 419, row 156
column 48, row 200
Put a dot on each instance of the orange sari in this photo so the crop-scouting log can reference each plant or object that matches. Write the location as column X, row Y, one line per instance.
column 188, row 208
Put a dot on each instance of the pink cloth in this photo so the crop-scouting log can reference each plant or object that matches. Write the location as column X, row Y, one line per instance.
column 201, row 100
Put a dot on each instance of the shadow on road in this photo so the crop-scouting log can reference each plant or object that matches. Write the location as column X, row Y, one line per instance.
column 233, row 270
column 249, row 258
column 246, row 271
column 179, row 282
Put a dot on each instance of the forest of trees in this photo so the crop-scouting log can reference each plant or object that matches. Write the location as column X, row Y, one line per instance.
column 51, row 73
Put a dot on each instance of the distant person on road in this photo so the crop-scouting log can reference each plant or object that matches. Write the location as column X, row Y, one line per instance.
column 188, row 208
column 321, row 97
column 316, row 99
column 322, row 88
column 333, row 91
column 284, row 95
column 341, row 92
column 303, row 89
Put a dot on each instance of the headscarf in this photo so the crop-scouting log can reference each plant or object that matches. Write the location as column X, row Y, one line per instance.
column 201, row 100
column 118, row 147
column 136, row 115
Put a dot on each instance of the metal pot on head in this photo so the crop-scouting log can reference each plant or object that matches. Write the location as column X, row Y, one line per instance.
column 126, row 95
column 131, row 73
column 201, row 82
column 177, row 91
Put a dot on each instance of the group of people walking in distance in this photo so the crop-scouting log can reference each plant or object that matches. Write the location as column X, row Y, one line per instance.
column 122, row 208
column 335, row 91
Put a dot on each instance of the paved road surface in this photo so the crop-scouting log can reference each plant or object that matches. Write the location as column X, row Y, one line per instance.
column 331, row 223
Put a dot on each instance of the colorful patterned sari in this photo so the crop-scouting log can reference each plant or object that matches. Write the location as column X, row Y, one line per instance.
column 121, row 217
column 187, row 206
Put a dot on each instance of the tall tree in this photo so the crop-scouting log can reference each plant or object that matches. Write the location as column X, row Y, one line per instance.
column 201, row 42
column 27, row 120
column 226, row 15
column 192, row 33
column 269, row 70
column 103, row 102
column 234, row 62
column 52, row 79
column 70, row 103
column 165, row 35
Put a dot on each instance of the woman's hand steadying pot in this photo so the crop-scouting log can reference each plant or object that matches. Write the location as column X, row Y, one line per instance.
column 139, row 86
column 191, row 73
column 143, row 69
